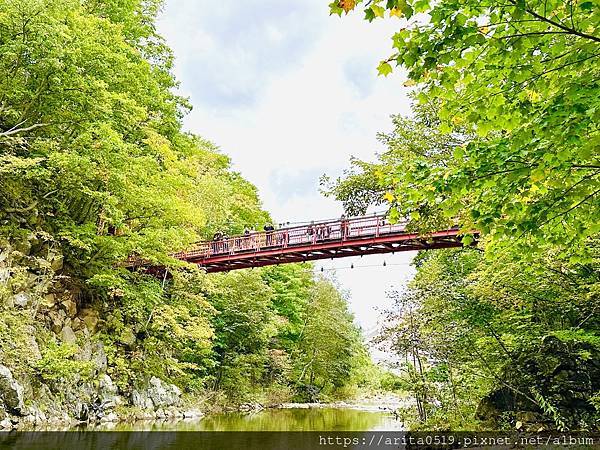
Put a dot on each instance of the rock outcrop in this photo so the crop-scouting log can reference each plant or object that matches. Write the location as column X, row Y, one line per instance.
column 11, row 392
column 163, row 394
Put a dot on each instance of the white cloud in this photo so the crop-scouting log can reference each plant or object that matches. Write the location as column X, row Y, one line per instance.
column 289, row 93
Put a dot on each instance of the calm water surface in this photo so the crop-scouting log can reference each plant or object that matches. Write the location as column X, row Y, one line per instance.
column 313, row 419
column 259, row 431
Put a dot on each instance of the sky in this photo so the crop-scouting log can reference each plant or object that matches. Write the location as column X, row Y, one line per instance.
column 290, row 93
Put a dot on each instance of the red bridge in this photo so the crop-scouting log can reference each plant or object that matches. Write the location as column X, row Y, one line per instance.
column 320, row 240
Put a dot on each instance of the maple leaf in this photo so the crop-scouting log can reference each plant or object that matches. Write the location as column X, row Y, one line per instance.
column 384, row 69
column 347, row 5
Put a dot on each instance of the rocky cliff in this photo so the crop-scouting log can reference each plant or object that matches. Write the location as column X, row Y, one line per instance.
column 54, row 368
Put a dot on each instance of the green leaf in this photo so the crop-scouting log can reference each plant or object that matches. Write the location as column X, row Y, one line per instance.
column 384, row 68
column 467, row 240
column 378, row 10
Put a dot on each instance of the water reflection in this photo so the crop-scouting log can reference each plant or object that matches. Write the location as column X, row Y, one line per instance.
column 314, row 419
column 289, row 429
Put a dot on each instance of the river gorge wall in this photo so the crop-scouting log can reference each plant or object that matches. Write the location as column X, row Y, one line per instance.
column 54, row 367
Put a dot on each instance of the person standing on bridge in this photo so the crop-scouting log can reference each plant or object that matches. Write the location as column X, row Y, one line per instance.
column 344, row 226
column 320, row 232
column 269, row 234
column 246, row 239
column 225, row 239
column 323, row 232
column 218, row 236
column 310, row 230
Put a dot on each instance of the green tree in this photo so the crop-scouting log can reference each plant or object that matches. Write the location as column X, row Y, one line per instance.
column 243, row 327
column 414, row 149
column 520, row 76
column 329, row 342
column 292, row 286
column 94, row 167
column 497, row 341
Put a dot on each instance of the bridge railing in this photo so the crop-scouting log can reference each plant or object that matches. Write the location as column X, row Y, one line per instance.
column 313, row 233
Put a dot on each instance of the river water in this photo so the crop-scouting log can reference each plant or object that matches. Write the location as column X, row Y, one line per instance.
column 262, row 430
column 295, row 419
column 271, row 429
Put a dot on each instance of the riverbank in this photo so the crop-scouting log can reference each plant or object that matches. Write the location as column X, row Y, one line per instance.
column 158, row 405
column 324, row 417
column 25, row 406
column 370, row 403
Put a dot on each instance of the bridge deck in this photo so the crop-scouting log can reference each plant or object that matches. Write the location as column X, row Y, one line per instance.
column 320, row 240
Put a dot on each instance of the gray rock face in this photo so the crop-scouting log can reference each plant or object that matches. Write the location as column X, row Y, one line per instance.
column 141, row 400
column 4, row 275
column 68, row 336
column 163, row 394
column 5, row 424
column 158, row 396
column 82, row 412
column 34, row 349
column 107, row 391
column 99, row 357
column 11, row 392
column 36, row 417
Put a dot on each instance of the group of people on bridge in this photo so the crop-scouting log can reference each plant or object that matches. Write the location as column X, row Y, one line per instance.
column 321, row 231
column 221, row 241
column 271, row 236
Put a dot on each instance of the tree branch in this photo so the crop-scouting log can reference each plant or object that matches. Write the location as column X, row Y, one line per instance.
column 558, row 24
column 22, row 130
column 571, row 208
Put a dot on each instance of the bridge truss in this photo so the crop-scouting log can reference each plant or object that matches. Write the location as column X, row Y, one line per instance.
column 320, row 240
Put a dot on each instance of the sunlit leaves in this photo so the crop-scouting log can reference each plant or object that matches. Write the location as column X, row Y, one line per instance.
column 347, row 5
column 519, row 78
column 384, row 68
column 330, row 342
column 516, row 321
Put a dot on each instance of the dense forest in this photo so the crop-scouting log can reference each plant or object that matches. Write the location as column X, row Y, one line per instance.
column 94, row 168
column 505, row 141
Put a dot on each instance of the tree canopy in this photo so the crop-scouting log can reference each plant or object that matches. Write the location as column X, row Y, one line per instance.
column 96, row 167
column 503, row 140
column 517, row 81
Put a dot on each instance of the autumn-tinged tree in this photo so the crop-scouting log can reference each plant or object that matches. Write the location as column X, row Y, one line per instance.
column 95, row 167
column 521, row 76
